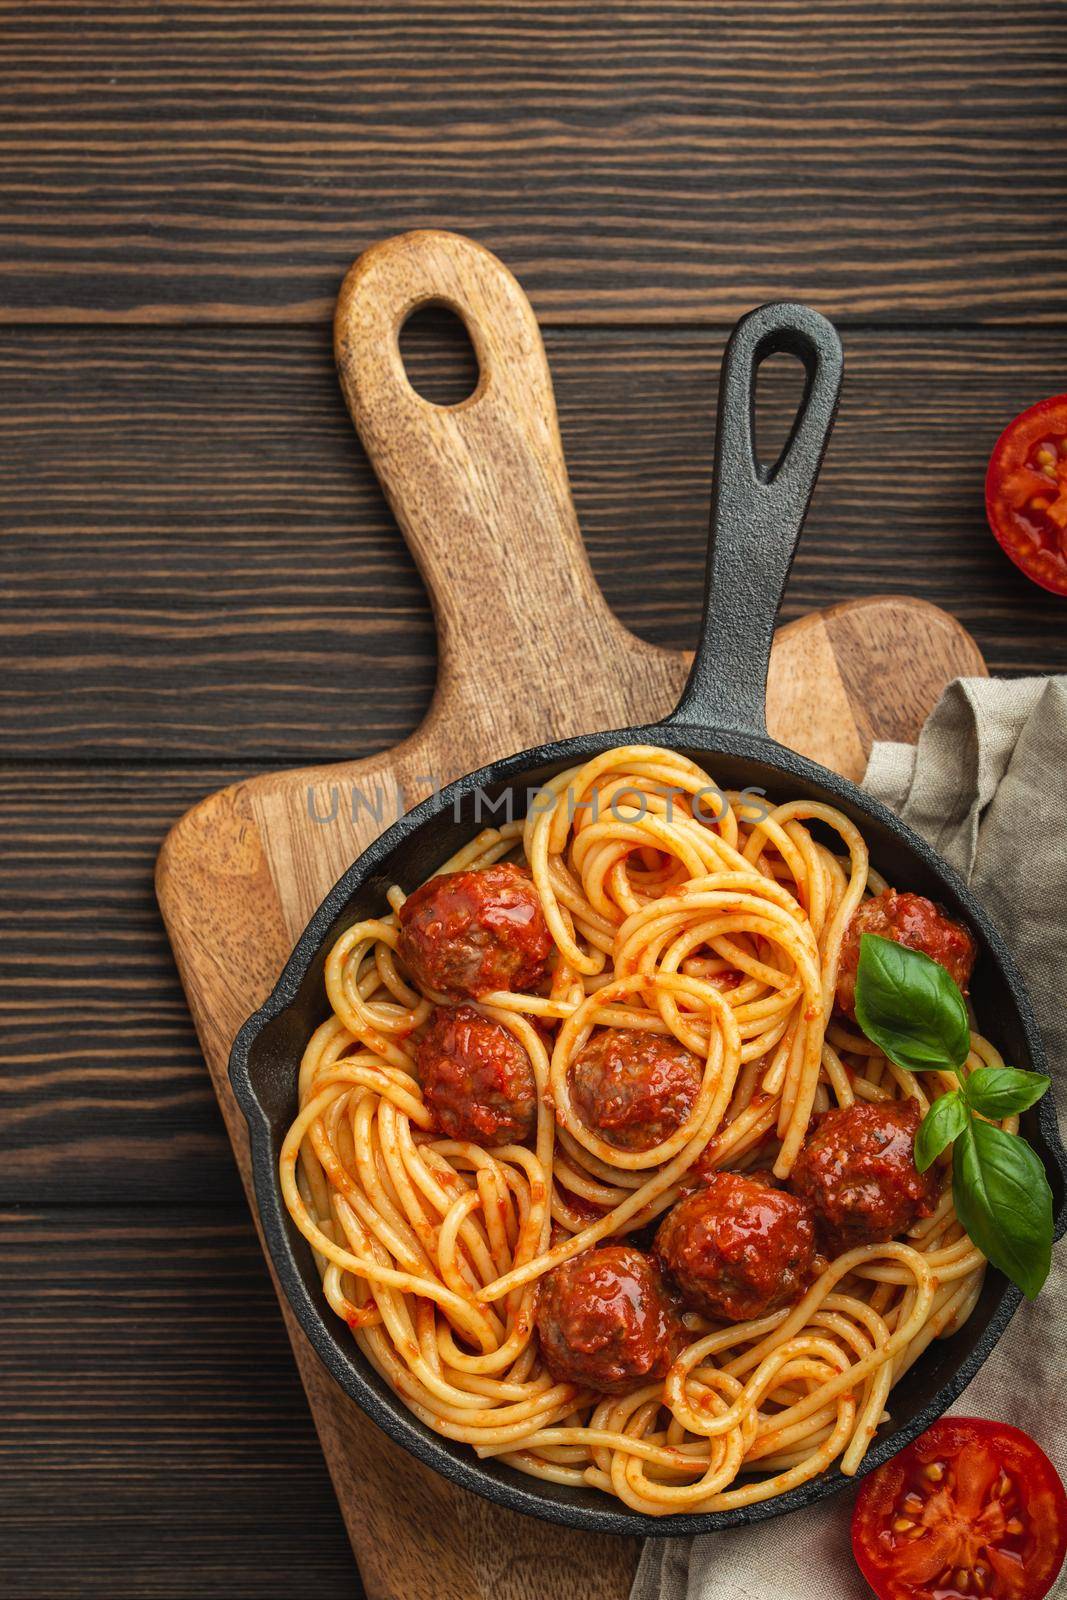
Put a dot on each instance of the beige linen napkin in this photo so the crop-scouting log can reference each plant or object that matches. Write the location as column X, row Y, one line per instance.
column 987, row 785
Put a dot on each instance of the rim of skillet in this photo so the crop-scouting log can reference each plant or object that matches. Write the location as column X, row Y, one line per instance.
column 347, row 1366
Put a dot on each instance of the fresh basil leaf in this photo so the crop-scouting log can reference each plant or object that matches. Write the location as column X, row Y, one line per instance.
column 945, row 1121
column 909, row 1007
column 999, row 1092
column 1003, row 1200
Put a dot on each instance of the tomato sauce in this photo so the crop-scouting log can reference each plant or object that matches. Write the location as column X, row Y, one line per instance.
column 476, row 1078
column 858, row 1171
column 908, row 919
column 466, row 934
column 634, row 1089
column 738, row 1248
column 605, row 1322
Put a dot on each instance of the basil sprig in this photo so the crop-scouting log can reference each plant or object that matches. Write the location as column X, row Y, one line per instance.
column 908, row 1005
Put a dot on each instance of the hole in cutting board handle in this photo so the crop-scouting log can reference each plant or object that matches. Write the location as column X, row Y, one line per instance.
column 779, row 388
column 438, row 356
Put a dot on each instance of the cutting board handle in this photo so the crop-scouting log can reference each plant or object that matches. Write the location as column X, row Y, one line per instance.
column 479, row 488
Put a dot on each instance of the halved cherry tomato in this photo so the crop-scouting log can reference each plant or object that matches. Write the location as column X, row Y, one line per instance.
column 1026, row 492
column 972, row 1510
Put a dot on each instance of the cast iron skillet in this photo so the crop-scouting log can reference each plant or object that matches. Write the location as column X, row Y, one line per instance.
column 756, row 517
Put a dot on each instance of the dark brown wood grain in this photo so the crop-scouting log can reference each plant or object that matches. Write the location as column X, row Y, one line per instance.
column 657, row 161
column 199, row 562
column 152, row 1412
column 105, row 1095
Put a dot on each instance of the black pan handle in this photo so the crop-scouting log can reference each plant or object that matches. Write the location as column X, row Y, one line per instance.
column 757, row 513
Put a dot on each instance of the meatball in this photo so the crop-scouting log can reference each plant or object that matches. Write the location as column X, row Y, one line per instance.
column 858, row 1171
column 605, row 1322
column 476, row 1078
column 634, row 1089
column 738, row 1247
column 908, row 919
column 468, row 933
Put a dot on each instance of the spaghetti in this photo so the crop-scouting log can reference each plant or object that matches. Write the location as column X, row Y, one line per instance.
column 725, row 936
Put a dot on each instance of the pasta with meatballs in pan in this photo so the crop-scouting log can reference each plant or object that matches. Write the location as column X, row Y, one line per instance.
column 599, row 1166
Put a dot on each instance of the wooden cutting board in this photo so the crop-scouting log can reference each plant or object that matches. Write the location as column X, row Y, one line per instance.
column 529, row 651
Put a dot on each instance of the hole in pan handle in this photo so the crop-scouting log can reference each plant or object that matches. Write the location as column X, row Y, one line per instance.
column 757, row 513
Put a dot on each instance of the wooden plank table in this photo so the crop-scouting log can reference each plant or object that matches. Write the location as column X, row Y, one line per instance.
column 200, row 579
